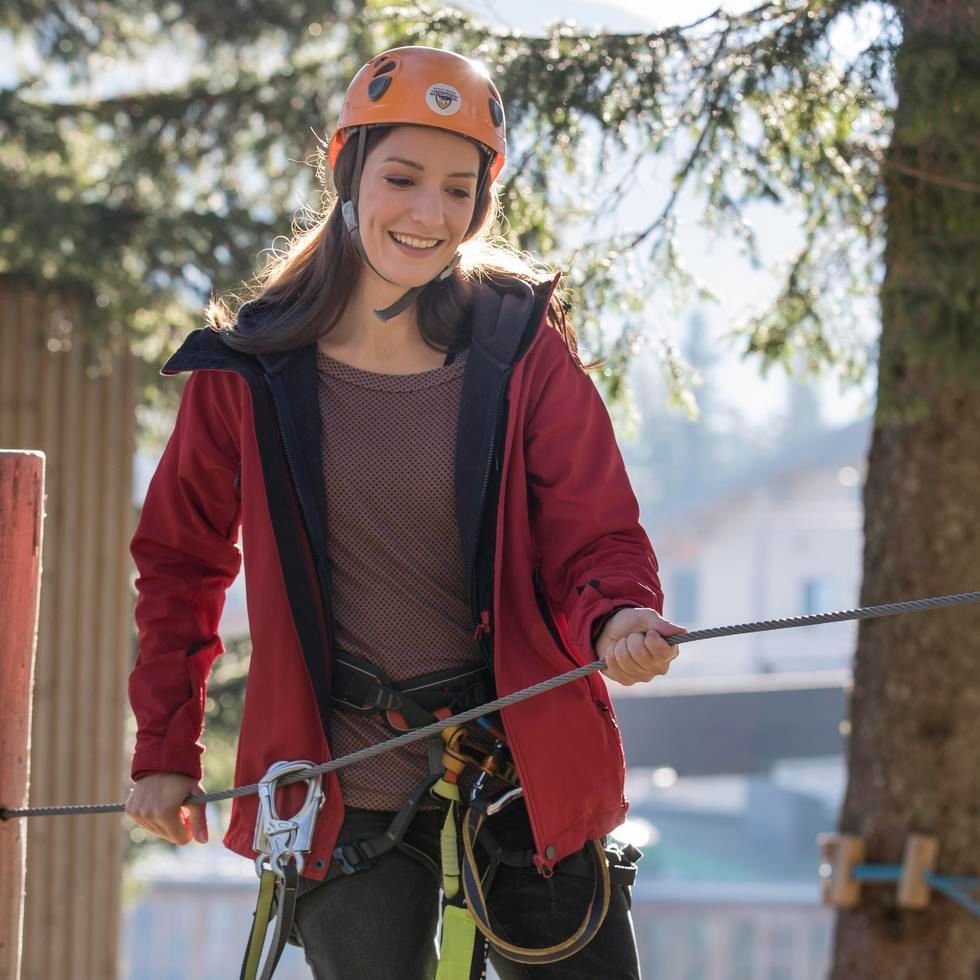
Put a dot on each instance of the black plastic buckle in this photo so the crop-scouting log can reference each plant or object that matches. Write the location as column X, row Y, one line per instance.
column 622, row 864
column 350, row 865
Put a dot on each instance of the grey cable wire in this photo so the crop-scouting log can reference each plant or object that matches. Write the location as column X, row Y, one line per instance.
column 417, row 734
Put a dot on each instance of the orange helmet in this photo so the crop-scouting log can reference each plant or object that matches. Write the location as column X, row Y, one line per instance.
column 425, row 87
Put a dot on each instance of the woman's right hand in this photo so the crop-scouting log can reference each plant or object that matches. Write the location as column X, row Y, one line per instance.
column 156, row 804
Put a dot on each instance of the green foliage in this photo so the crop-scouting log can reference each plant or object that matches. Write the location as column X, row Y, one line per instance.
column 72, row 32
column 143, row 197
column 749, row 109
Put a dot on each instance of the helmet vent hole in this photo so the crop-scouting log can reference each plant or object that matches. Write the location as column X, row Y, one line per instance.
column 378, row 87
column 497, row 112
column 385, row 68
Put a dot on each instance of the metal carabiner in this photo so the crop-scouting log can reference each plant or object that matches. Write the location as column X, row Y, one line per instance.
column 280, row 840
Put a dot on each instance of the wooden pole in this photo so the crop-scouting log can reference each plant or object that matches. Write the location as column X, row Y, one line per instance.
column 21, row 524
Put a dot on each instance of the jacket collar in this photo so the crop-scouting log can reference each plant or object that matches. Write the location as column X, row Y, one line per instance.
column 207, row 349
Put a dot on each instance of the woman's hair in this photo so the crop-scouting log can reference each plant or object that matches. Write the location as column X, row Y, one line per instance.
column 303, row 291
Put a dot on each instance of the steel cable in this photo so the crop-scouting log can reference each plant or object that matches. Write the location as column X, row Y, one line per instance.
column 417, row 734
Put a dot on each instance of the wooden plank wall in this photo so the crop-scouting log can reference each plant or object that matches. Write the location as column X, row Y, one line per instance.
column 82, row 415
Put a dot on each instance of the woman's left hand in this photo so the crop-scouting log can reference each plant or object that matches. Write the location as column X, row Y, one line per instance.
column 633, row 646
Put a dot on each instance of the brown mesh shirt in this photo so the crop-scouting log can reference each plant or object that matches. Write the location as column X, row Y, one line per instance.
column 399, row 587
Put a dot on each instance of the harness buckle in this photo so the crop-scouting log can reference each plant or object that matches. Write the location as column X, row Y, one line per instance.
column 350, row 858
column 280, row 840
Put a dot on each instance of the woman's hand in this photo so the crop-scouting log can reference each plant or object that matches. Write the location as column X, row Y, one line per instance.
column 155, row 803
column 633, row 646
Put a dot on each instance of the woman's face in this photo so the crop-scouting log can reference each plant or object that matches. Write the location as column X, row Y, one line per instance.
column 416, row 201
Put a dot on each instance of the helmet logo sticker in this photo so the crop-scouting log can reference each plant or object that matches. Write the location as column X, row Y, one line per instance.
column 443, row 99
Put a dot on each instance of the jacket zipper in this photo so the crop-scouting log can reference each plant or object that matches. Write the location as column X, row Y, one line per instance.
column 484, row 628
column 482, row 617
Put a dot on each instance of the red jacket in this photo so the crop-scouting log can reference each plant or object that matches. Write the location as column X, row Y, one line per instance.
column 549, row 528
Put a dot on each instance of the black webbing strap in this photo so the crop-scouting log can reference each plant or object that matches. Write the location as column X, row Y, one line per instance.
column 360, row 686
column 277, row 896
column 359, row 855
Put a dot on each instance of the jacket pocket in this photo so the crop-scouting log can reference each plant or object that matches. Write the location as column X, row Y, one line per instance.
column 596, row 688
column 549, row 621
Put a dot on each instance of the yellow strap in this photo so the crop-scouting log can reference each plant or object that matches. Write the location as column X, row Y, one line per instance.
column 260, row 924
column 448, row 791
column 458, row 940
column 447, row 839
column 449, row 849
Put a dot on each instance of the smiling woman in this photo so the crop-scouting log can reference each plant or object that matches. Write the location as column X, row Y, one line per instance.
column 414, row 159
column 433, row 511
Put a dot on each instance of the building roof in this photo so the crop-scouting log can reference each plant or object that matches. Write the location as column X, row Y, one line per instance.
column 830, row 448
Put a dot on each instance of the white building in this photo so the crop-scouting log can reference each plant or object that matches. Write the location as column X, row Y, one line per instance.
column 784, row 541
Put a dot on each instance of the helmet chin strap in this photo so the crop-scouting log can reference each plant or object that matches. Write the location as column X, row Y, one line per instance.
column 349, row 212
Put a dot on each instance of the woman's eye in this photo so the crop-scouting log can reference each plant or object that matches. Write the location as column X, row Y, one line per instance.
column 460, row 193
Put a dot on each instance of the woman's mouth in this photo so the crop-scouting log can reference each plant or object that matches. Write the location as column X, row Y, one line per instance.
column 412, row 245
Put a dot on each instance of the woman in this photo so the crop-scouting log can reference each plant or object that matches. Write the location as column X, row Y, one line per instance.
column 426, row 480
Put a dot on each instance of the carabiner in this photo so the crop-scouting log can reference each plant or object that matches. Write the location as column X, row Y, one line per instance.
column 281, row 840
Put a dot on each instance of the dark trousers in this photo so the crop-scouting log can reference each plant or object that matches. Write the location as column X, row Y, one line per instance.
column 380, row 924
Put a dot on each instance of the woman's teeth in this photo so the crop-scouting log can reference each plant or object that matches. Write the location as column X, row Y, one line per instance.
column 419, row 243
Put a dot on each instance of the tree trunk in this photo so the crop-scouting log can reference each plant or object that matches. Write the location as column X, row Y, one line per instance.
column 914, row 757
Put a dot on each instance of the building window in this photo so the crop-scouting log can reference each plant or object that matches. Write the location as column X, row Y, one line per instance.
column 818, row 595
column 683, row 598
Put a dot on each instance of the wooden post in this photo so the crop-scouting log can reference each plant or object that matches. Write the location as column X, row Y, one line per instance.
column 21, row 523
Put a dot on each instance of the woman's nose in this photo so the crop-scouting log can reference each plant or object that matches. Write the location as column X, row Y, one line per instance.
column 427, row 207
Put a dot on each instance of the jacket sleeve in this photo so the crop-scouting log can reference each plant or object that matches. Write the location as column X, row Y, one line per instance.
column 186, row 557
column 593, row 555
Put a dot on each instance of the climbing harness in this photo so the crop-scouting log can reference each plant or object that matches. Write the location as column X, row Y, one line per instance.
column 362, row 687
column 281, row 843
column 476, row 779
column 472, row 777
column 480, row 781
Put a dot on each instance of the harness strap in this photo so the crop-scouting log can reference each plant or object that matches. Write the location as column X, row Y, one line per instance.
column 362, row 687
column 279, row 891
column 461, row 953
column 359, row 855
column 474, row 890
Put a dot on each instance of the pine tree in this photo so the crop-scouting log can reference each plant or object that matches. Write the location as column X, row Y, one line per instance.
column 915, row 709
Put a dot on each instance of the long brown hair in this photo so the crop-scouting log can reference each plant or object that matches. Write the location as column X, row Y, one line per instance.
column 302, row 292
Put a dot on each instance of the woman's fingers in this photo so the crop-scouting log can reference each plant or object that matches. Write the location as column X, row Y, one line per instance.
column 197, row 821
column 639, row 657
column 156, row 804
